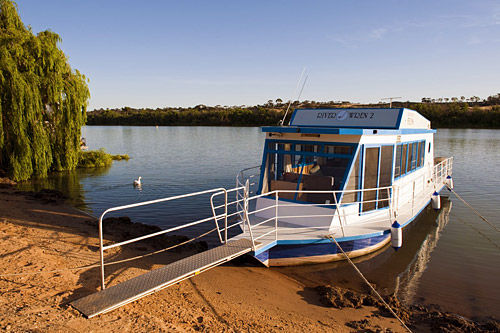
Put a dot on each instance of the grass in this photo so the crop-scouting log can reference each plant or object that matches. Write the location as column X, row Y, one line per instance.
column 98, row 158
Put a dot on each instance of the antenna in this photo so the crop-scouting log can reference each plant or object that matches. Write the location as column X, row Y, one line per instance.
column 294, row 92
column 302, row 89
column 390, row 100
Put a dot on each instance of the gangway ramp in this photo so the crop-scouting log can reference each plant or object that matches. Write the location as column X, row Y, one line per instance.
column 153, row 281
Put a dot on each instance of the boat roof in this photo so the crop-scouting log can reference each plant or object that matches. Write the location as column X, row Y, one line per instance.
column 355, row 121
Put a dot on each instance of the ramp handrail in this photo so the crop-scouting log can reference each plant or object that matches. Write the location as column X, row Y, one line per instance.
column 102, row 248
column 226, row 215
column 241, row 182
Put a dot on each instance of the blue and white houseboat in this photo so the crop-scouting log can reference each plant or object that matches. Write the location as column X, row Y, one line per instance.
column 344, row 173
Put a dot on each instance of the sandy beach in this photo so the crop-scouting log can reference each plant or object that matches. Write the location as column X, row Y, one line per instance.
column 44, row 242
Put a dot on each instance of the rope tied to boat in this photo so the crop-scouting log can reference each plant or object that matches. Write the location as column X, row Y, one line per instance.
column 475, row 211
column 334, row 241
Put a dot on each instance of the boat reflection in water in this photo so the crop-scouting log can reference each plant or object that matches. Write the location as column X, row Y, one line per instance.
column 391, row 271
column 408, row 281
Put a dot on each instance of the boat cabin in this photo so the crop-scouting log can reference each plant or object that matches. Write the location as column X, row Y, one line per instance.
column 347, row 151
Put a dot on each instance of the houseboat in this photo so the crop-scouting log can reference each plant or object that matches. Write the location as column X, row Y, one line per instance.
column 349, row 174
column 333, row 181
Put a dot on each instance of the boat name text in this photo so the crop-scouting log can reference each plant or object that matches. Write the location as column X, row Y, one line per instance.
column 343, row 115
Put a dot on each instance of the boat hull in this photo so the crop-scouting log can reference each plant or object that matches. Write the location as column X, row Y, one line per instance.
column 321, row 252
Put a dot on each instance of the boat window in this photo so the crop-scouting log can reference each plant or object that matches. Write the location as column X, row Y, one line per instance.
column 409, row 161
column 414, row 155
column 330, row 149
column 422, row 154
column 352, row 184
column 409, row 157
column 385, row 175
column 301, row 166
column 281, row 146
column 403, row 161
column 370, row 179
column 397, row 164
column 419, row 154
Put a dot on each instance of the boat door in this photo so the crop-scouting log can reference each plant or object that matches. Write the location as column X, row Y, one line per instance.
column 377, row 172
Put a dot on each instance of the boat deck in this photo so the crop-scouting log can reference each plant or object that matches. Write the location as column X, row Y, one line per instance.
column 288, row 233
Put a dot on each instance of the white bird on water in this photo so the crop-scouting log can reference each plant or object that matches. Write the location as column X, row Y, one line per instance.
column 137, row 182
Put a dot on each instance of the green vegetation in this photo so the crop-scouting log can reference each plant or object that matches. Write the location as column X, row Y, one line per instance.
column 42, row 100
column 459, row 115
column 120, row 157
column 98, row 158
column 472, row 112
column 197, row 116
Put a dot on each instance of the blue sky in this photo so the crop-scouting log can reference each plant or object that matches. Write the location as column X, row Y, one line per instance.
column 183, row 53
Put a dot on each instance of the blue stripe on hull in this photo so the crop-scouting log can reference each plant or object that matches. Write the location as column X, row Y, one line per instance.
column 318, row 249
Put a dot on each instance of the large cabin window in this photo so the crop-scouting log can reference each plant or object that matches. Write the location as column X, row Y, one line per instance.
column 370, row 179
column 409, row 157
column 385, row 175
column 305, row 166
column 377, row 174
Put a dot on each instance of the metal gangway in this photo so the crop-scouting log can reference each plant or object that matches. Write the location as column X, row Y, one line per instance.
column 108, row 299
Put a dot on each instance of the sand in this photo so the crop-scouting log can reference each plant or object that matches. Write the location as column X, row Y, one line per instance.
column 40, row 233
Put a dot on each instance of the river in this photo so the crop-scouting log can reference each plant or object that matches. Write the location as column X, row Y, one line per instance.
column 450, row 258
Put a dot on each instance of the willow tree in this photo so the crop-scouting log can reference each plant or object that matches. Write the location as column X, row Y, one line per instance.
column 42, row 100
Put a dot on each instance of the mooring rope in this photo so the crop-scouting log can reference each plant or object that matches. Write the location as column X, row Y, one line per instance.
column 112, row 262
column 475, row 211
column 333, row 240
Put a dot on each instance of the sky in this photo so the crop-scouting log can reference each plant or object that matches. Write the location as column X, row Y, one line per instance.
column 154, row 54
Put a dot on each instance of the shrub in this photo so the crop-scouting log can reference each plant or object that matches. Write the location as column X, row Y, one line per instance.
column 94, row 159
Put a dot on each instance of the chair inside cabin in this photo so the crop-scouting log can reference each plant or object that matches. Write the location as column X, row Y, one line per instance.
column 313, row 181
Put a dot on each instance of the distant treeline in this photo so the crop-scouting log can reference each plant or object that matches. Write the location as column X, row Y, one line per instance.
column 197, row 116
column 459, row 115
column 485, row 114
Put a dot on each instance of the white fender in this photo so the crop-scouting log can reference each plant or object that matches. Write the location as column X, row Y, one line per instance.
column 449, row 182
column 396, row 235
column 436, row 201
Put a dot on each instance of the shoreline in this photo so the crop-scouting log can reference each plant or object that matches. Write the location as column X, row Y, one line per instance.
column 42, row 234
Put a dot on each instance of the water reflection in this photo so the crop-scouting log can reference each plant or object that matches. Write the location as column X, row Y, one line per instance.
column 391, row 271
column 68, row 182
column 407, row 282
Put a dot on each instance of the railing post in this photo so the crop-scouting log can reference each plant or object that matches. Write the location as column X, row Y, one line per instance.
column 225, row 216
column 338, row 213
column 245, row 213
column 246, row 194
column 390, row 205
column 101, row 252
column 276, row 217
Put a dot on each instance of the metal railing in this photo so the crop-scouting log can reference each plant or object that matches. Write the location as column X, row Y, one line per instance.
column 247, row 179
column 145, row 203
column 415, row 196
column 442, row 170
column 238, row 211
column 335, row 206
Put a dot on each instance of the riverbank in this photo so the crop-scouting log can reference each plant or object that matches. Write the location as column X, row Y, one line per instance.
column 456, row 114
column 40, row 233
